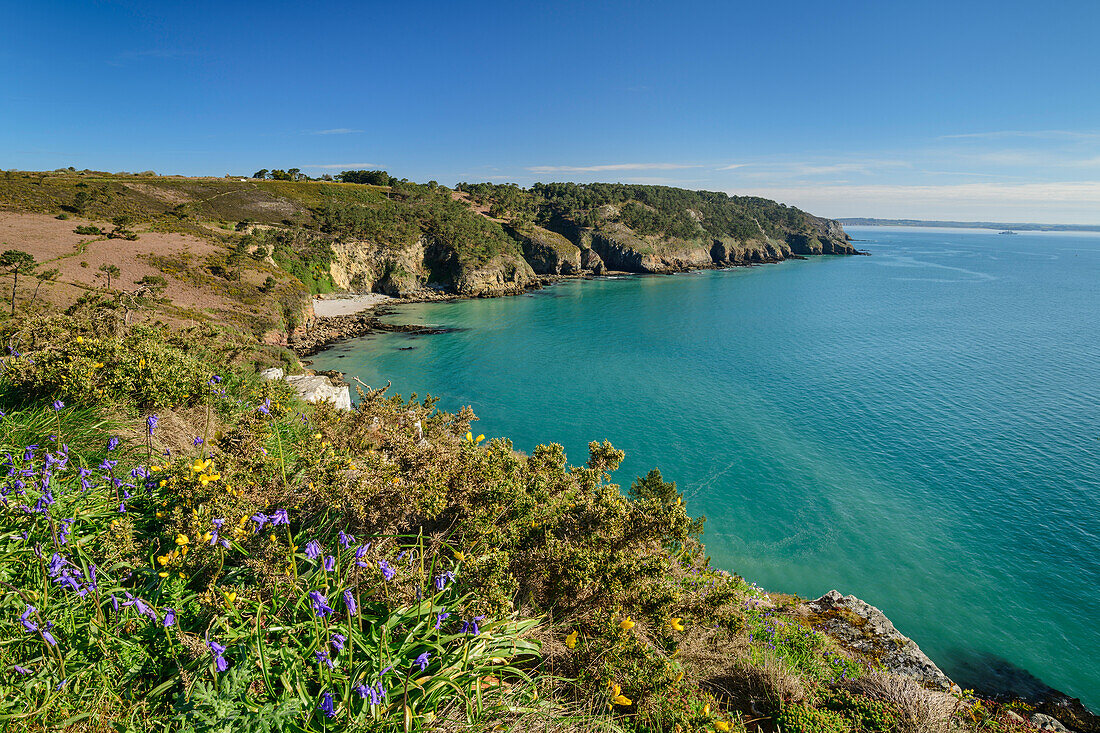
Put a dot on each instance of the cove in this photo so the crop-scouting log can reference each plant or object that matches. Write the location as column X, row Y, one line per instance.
column 918, row 428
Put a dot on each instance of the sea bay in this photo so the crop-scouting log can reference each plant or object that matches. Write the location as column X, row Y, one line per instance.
column 918, row 428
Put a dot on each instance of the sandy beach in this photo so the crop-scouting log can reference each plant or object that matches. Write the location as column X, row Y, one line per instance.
column 345, row 305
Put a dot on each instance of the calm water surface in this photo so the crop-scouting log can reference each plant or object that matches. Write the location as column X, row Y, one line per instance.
column 919, row 428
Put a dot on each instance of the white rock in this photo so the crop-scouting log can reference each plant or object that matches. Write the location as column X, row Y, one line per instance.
column 272, row 374
column 319, row 389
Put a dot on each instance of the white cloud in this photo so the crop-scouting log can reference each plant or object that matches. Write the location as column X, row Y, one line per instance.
column 731, row 166
column 1066, row 202
column 609, row 167
column 336, row 131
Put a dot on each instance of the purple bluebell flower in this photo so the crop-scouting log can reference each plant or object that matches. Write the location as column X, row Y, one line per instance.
column 349, row 602
column 122, row 508
column 363, row 690
column 25, row 619
column 322, row 657
column 169, row 617
column 265, row 407
column 47, row 635
column 387, row 571
column 21, row 670
column 112, row 444
column 330, row 563
column 218, row 651
column 338, row 641
column 422, row 660
column 197, row 441
column 346, row 540
column 313, row 549
column 57, row 405
column 326, row 706
column 260, row 519
column 320, row 604
column 440, row 618
column 279, row 517
column 151, row 423
column 443, row 579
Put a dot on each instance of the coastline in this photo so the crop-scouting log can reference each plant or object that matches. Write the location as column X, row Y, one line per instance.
column 360, row 313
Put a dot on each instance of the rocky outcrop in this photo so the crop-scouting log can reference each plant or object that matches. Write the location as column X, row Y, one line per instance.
column 314, row 387
column 548, row 253
column 364, row 266
column 865, row 630
column 592, row 262
column 622, row 249
column 727, row 252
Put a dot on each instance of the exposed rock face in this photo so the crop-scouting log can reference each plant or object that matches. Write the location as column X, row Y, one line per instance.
column 363, row 266
column 548, row 253
column 313, row 387
column 622, row 249
column 729, row 252
column 592, row 262
column 866, row 630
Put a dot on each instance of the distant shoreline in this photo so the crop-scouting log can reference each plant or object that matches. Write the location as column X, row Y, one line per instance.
column 1020, row 227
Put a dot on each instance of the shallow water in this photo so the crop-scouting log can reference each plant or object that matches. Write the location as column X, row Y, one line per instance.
column 919, row 428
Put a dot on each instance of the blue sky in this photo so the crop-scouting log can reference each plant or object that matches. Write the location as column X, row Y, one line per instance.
column 963, row 110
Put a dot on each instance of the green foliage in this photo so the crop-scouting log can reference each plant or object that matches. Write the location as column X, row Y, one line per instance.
column 85, row 229
column 142, row 369
column 800, row 717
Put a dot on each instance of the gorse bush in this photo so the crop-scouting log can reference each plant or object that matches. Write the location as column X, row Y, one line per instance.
column 138, row 368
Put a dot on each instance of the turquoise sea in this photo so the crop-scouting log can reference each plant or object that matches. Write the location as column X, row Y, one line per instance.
column 920, row 428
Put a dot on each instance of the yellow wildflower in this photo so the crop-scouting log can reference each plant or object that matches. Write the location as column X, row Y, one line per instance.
column 206, row 478
column 459, row 556
column 80, row 339
column 160, row 514
column 162, row 483
column 141, row 362
column 207, row 537
column 706, row 709
column 626, row 624
column 675, row 623
column 679, row 676
column 617, row 696
column 479, row 438
column 155, row 469
column 231, row 596
column 571, row 639
column 163, row 559
column 182, row 539
column 163, row 574
column 721, row 725
column 271, row 537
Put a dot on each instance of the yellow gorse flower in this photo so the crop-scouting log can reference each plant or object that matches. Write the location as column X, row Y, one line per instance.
column 617, row 696
column 721, row 725
column 679, row 676
column 182, row 539
column 479, row 438
column 206, row 478
column 231, row 596
column 676, row 623
column 706, row 709
column 571, row 639
column 626, row 624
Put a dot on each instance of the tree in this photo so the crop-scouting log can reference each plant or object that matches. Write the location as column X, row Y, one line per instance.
column 122, row 224
column 43, row 276
column 293, row 173
column 236, row 257
column 17, row 261
column 261, row 174
column 110, row 271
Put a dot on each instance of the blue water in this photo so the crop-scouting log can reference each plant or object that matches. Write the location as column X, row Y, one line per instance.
column 919, row 428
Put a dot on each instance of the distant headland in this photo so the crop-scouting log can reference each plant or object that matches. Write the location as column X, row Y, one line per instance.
column 998, row 225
